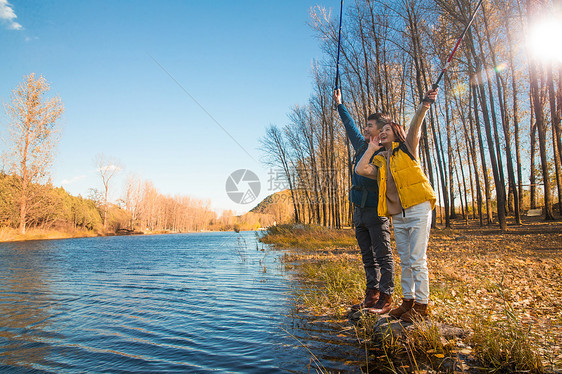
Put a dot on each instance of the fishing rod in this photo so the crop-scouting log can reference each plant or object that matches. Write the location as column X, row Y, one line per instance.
column 436, row 84
column 339, row 48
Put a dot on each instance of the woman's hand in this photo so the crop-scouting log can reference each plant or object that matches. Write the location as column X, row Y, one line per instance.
column 374, row 143
column 363, row 167
column 337, row 96
column 430, row 97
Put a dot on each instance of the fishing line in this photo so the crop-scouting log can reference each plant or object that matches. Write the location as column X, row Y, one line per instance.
column 201, row 106
column 436, row 84
column 339, row 48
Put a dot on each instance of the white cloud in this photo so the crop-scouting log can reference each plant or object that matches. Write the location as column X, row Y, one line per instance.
column 72, row 180
column 7, row 16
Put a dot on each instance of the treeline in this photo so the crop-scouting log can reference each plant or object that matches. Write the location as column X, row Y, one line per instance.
column 29, row 200
column 491, row 144
column 48, row 207
column 142, row 210
column 149, row 210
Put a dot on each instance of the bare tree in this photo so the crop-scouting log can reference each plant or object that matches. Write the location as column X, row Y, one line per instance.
column 133, row 198
column 275, row 146
column 107, row 169
column 33, row 135
column 390, row 51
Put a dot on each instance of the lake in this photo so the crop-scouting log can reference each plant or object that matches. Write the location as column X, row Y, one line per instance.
column 197, row 303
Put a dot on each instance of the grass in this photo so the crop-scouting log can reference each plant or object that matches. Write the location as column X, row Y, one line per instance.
column 332, row 282
column 9, row 234
column 504, row 287
column 308, row 237
column 505, row 342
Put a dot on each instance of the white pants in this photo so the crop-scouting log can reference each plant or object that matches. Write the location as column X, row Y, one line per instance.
column 411, row 232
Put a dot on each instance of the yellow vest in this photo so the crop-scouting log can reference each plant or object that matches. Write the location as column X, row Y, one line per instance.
column 412, row 184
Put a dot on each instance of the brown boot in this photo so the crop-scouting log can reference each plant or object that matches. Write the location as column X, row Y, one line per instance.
column 383, row 305
column 371, row 297
column 418, row 312
column 406, row 306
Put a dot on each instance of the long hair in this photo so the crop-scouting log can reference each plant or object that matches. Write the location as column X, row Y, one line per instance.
column 398, row 131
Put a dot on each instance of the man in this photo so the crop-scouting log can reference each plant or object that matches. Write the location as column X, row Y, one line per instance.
column 372, row 232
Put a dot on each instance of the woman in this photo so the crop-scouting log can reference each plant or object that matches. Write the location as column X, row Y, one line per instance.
column 406, row 195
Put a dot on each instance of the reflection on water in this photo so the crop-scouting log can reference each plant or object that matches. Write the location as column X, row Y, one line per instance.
column 179, row 303
column 25, row 309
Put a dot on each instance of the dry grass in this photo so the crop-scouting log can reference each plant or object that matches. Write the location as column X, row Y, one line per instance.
column 10, row 235
column 329, row 281
column 504, row 287
column 308, row 237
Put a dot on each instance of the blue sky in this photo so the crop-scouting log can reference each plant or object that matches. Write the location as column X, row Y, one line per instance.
column 245, row 62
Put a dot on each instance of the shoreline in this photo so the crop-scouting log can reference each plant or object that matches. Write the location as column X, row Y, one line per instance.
column 12, row 235
column 498, row 286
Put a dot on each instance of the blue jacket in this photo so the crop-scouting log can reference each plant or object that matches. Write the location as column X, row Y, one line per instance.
column 364, row 191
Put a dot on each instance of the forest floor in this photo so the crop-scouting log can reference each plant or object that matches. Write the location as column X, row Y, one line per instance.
column 505, row 288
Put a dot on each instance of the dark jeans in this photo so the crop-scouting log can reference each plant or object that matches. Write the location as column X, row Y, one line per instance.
column 373, row 236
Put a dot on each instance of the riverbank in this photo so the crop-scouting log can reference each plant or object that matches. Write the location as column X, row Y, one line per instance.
column 13, row 235
column 504, row 288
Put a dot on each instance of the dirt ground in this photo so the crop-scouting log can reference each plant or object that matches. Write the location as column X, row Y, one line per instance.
column 480, row 273
column 504, row 287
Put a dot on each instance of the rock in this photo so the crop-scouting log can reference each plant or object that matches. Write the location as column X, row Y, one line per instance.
column 453, row 365
column 534, row 212
column 387, row 327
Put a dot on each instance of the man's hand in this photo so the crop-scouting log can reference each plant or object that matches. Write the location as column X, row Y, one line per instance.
column 337, row 96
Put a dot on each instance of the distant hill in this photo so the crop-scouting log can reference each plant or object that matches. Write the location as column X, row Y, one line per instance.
column 281, row 196
column 279, row 205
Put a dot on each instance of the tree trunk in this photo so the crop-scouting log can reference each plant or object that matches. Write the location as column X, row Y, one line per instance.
column 440, row 163
column 420, row 79
column 541, row 129
column 472, row 161
column 464, row 189
column 515, row 120
column 556, row 141
column 489, row 213
column 23, row 211
column 500, row 191
column 450, row 156
column 501, row 90
column 532, row 176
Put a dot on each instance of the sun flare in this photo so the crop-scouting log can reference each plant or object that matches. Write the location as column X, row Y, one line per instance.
column 544, row 40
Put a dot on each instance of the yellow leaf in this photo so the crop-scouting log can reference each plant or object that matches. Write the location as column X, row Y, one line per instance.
column 439, row 355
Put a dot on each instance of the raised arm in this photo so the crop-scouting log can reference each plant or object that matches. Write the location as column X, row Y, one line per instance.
column 364, row 166
column 353, row 133
column 413, row 136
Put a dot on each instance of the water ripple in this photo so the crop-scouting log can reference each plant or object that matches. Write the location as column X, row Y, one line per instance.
column 175, row 303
